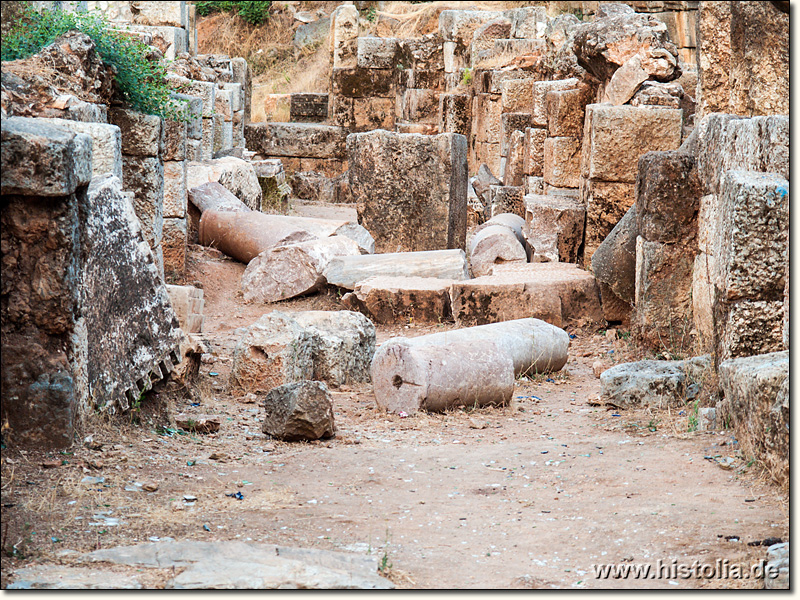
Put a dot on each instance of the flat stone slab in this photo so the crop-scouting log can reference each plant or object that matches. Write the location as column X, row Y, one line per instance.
column 559, row 293
column 402, row 299
column 214, row 565
column 309, row 140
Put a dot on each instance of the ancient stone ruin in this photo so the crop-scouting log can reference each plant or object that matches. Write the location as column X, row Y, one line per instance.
column 521, row 175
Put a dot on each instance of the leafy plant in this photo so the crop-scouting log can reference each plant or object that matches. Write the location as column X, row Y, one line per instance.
column 371, row 14
column 466, row 78
column 254, row 13
column 693, row 417
column 140, row 81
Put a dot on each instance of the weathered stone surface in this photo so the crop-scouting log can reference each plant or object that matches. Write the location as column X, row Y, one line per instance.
column 566, row 111
column 460, row 25
column 663, row 301
column 296, row 139
column 703, row 301
column 517, row 95
column 293, row 270
column 654, row 93
column 455, row 114
column 419, row 105
column 614, row 261
column 408, row 378
column 50, row 577
column 308, row 108
column 223, row 135
column 539, row 91
column 398, row 300
column 748, row 327
column 492, row 245
column 606, row 203
column 236, row 175
column 207, row 141
column 410, row 189
column 558, row 293
column 756, row 404
column 344, row 343
column 40, row 159
column 173, row 246
column 484, row 36
column 175, row 189
column 534, row 185
column 615, row 137
column 529, row 22
column 654, row 383
column 106, row 147
column 344, row 36
column 777, row 569
column 533, row 159
column 668, row 191
column 554, row 227
column 171, row 41
column 377, row 53
column 509, row 123
column 348, row 271
column 223, row 101
column 615, row 309
column 122, row 292
column 274, row 350
column 142, row 135
column 514, row 173
column 488, row 122
column 144, row 176
column 752, row 241
column 714, row 58
column 364, row 83
column 604, row 45
column 513, row 222
column 562, row 161
column 507, row 199
column 188, row 304
column 299, row 411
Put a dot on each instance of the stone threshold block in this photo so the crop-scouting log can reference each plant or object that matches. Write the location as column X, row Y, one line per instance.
column 308, row 140
column 558, row 293
column 399, row 300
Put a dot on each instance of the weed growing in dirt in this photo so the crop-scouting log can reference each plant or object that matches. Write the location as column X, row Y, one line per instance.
column 254, row 13
column 140, row 81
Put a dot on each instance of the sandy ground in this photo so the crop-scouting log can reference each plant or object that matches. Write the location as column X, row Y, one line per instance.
column 525, row 496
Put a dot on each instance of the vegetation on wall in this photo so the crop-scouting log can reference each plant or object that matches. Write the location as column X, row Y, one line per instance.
column 139, row 80
column 254, row 13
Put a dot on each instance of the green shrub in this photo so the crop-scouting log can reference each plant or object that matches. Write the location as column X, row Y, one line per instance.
column 140, row 82
column 254, row 13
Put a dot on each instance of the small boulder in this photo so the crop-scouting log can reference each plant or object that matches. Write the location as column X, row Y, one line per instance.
column 299, row 411
column 657, row 383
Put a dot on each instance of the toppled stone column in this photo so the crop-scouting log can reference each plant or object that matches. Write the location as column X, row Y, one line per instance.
column 410, row 189
column 435, row 378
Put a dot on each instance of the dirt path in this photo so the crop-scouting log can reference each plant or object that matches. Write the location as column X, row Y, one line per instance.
column 531, row 495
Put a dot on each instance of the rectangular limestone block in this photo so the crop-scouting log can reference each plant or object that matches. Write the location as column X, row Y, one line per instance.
column 616, row 136
column 296, row 139
column 455, row 115
column 529, row 22
column 170, row 14
column 377, row 53
column 308, row 108
column 175, row 136
column 517, row 95
column 192, row 106
column 513, row 170
column 489, row 154
column 507, row 199
column 417, row 105
column 106, row 154
column 511, row 122
column 451, row 60
column 488, row 121
column 362, row 114
column 237, row 94
column 533, row 161
column 238, row 129
column 344, row 36
column 756, row 407
column 329, row 167
column 539, row 91
column 606, row 203
column 223, row 100
column 173, row 246
column 175, row 189
column 753, row 220
column 207, row 141
column 188, row 303
column 269, row 107
column 363, row 83
column 401, row 300
column 554, row 227
column 206, row 90
column 144, row 177
column 223, row 133
column 142, row 135
column 559, row 293
column 422, row 79
column 410, row 189
column 663, row 304
column 703, row 300
column 194, row 150
column 562, row 161
column 668, row 194
column 566, row 110
column 534, row 185
column 748, row 328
